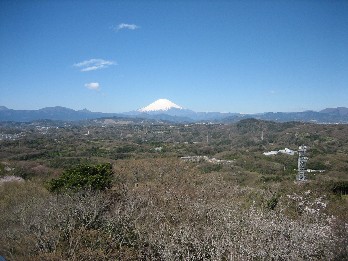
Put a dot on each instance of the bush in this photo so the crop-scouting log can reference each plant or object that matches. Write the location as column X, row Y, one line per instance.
column 339, row 187
column 94, row 177
column 273, row 202
column 208, row 167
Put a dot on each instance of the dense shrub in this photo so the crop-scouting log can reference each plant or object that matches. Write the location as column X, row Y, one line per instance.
column 272, row 202
column 208, row 167
column 95, row 177
column 339, row 187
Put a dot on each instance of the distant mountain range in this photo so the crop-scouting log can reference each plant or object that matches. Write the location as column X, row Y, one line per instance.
column 329, row 115
column 165, row 110
column 50, row 113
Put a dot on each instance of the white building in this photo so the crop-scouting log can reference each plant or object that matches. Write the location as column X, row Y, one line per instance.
column 275, row 152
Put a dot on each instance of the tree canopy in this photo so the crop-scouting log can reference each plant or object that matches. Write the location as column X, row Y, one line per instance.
column 83, row 176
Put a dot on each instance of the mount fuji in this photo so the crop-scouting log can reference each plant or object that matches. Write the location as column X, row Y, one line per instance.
column 165, row 109
column 161, row 105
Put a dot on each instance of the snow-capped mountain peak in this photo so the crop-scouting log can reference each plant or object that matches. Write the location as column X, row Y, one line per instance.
column 160, row 105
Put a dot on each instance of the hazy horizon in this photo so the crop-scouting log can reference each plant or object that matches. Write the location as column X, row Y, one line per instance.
column 185, row 108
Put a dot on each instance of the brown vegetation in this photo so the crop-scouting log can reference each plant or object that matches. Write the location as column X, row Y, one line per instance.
column 160, row 207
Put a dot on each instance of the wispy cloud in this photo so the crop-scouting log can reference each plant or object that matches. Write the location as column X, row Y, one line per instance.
column 93, row 64
column 124, row 26
column 93, row 86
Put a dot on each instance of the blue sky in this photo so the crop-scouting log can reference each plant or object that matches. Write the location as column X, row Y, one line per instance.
column 228, row 56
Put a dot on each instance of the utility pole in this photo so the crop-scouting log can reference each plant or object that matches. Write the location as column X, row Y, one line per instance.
column 302, row 160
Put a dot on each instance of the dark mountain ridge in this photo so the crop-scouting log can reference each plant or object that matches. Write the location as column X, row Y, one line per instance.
column 336, row 111
column 50, row 113
column 329, row 115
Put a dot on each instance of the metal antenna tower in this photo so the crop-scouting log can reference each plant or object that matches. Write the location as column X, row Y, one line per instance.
column 302, row 159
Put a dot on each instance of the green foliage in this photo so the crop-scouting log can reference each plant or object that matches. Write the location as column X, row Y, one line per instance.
column 96, row 177
column 2, row 168
column 273, row 202
column 208, row 167
column 317, row 164
column 339, row 187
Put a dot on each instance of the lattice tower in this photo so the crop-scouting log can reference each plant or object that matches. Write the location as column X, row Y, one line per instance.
column 302, row 160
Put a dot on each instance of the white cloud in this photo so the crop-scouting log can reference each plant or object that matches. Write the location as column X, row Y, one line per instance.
column 126, row 26
column 93, row 64
column 93, row 86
